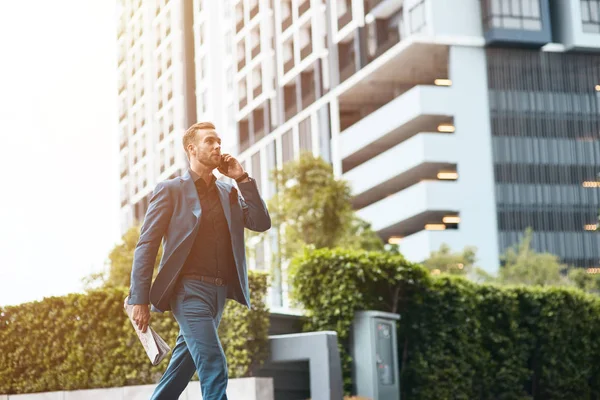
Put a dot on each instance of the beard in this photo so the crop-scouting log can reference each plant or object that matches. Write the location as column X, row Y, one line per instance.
column 209, row 161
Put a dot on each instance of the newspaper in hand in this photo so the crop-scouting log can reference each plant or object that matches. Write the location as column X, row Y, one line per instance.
column 156, row 348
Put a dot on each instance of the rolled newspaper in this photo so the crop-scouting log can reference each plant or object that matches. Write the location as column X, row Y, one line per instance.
column 156, row 348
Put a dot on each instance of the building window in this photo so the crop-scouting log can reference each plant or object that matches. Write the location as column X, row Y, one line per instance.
column 271, row 154
column 287, row 147
column 256, row 172
column 546, row 150
column 417, row 17
column 260, row 256
column 205, row 102
column 512, row 14
column 229, row 78
column 286, row 14
column 590, row 16
column 304, row 134
column 344, row 12
column 228, row 43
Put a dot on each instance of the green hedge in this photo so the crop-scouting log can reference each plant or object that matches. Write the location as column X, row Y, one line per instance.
column 83, row 341
column 458, row 339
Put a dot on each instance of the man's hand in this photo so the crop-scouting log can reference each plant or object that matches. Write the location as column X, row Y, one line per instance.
column 235, row 169
column 141, row 316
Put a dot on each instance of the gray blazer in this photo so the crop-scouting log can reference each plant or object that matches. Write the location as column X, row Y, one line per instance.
column 174, row 216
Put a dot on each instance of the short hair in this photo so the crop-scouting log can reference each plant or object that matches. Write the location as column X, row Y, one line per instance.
column 189, row 137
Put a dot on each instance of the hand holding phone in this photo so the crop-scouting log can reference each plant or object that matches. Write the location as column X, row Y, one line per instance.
column 230, row 167
column 223, row 166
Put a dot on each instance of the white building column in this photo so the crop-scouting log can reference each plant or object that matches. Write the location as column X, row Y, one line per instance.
column 478, row 222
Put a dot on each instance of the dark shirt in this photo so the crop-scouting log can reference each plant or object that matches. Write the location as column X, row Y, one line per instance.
column 211, row 253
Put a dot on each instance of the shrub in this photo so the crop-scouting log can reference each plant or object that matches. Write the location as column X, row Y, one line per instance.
column 458, row 339
column 84, row 341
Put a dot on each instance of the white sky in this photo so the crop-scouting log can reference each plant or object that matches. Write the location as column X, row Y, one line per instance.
column 58, row 145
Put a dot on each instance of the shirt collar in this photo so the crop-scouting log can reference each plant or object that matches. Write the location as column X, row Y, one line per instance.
column 195, row 177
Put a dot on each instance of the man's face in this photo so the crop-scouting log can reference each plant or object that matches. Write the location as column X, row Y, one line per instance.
column 207, row 150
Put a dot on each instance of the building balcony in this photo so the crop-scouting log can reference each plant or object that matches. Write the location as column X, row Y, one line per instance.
column 288, row 65
column 344, row 20
column 257, row 91
column 383, row 46
column 418, row 247
column 347, row 70
column 576, row 24
column 286, row 23
column 244, row 145
column 305, row 52
column 420, row 109
column 255, row 51
column 254, row 11
column 239, row 26
column 308, row 98
column 123, row 174
column 408, row 211
column 416, row 159
column 290, row 112
column 382, row 8
column 303, row 7
column 241, row 64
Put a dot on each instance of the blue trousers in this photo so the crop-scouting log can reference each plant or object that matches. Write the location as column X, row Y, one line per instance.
column 197, row 307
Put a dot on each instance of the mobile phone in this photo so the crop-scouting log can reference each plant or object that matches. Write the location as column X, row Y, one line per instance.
column 223, row 166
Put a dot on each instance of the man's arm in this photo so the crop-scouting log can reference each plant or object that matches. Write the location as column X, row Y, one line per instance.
column 256, row 215
column 154, row 227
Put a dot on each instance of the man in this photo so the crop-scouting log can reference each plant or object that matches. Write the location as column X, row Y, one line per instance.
column 202, row 222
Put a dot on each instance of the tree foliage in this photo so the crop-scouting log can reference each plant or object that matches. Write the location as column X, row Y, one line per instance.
column 120, row 262
column 312, row 207
column 446, row 261
column 523, row 265
column 86, row 341
column 458, row 339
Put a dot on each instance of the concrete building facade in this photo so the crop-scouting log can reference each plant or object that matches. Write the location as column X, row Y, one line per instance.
column 461, row 122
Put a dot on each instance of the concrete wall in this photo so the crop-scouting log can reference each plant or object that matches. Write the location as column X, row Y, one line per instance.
column 478, row 223
column 455, row 18
column 567, row 26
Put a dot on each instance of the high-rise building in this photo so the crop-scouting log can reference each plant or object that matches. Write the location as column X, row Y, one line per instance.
column 461, row 122
column 156, row 96
column 214, row 68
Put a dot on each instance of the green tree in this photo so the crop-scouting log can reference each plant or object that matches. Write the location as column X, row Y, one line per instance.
column 454, row 263
column 120, row 262
column 522, row 265
column 311, row 207
column 583, row 280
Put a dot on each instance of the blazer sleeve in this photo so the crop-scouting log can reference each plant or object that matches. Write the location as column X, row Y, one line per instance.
column 256, row 215
column 156, row 222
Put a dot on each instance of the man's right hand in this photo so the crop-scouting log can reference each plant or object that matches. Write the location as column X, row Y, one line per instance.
column 141, row 316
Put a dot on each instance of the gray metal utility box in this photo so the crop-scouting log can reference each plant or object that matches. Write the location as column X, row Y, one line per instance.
column 375, row 355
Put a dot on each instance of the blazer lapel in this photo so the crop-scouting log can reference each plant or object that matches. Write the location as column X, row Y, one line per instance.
column 224, row 196
column 190, row 193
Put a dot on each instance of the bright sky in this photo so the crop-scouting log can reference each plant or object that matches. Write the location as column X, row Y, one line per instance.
column 58, row 145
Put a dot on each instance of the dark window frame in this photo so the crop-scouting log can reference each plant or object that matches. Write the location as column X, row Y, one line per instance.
column 419, row 6
column 508, row 13
column 591, row 24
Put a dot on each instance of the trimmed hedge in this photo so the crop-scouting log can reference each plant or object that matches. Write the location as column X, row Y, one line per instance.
column 458, row 339
column 84, row 341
